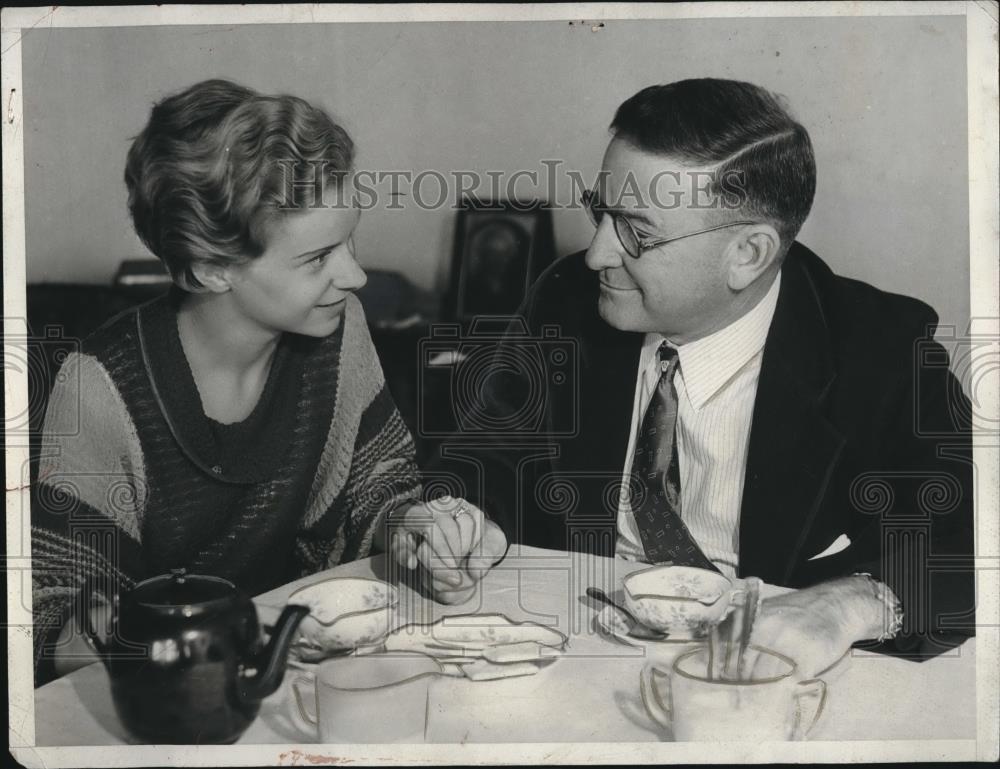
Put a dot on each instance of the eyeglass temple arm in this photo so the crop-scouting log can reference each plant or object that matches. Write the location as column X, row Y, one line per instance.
column 662, row 241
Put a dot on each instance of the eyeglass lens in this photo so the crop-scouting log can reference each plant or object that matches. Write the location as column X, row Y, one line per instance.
column 627, row 236
column 624, row 231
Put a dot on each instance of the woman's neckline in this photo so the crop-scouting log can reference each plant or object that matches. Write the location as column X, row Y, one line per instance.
column 239, row 452
column 273, row 366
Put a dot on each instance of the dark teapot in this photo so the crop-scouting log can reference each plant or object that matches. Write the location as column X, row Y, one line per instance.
column 186, row 659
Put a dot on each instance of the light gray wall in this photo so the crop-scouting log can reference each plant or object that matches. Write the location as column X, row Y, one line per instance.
column 884, row 100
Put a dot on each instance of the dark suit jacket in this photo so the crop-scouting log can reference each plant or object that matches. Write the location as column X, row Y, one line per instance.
column 859, row 429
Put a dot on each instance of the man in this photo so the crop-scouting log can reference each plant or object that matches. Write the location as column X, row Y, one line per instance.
column 766, row 416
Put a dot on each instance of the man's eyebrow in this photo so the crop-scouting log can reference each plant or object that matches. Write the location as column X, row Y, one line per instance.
column 633, row 215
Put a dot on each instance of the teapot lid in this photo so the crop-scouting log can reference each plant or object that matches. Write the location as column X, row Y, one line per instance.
column 180, row 590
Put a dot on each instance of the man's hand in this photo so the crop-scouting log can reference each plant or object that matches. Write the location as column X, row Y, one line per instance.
column 815, row 626
column 452, row 542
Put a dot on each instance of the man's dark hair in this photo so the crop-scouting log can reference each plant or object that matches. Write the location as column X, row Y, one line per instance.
column 760, row 153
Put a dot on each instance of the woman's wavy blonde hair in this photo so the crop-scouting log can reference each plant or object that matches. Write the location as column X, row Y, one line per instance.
column 217, row 163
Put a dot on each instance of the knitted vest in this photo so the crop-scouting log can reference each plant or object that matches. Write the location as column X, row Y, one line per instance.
column 134, row 481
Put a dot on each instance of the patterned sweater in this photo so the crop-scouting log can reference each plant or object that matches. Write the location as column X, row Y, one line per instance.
column 135, row 480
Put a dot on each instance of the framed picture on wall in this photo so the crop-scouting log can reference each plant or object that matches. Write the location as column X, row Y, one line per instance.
column 500, row 248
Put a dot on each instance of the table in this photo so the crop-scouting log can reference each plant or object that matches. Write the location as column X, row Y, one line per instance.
column 589, row 695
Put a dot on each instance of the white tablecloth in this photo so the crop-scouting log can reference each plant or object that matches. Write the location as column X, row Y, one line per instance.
column 589, row 695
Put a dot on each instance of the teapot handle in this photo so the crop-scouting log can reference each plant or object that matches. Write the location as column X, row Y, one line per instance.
column 85, row 624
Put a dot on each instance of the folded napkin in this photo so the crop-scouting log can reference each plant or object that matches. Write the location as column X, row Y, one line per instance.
column 480, row 646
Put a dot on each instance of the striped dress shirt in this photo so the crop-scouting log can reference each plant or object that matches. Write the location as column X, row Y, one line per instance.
column 716, row 385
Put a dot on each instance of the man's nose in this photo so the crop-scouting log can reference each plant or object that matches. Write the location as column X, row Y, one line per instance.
column 605, row 251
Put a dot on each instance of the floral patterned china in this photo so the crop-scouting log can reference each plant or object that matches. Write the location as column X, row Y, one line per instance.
column 481, row 647
column 623, row 628
column 682, row 601
column 476, row 631
column 345, row 613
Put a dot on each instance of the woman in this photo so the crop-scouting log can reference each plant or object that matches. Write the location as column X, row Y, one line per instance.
column 239, row 426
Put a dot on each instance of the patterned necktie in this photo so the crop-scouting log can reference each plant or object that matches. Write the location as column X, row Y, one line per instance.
column 655, row 467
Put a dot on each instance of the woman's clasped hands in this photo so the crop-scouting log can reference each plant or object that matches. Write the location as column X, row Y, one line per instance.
column 450, row 541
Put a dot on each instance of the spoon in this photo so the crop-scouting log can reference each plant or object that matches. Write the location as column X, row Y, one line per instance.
column 749, row 616
column 638, row 629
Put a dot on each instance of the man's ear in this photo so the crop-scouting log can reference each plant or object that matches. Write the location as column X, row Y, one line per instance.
column 215, row 278
column 752, row 254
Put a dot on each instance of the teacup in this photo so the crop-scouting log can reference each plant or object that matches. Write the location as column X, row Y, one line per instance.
column 682, row 601
column 345, row 612
column 696, row 707
column 373, row 698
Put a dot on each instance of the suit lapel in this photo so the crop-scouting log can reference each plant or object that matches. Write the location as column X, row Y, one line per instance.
column 793, row 447
column 609, row 361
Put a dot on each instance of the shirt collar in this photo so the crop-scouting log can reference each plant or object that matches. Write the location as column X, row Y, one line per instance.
column 707, row 364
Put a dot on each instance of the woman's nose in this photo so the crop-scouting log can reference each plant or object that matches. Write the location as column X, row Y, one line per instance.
column 347, row 273
column 605, row 250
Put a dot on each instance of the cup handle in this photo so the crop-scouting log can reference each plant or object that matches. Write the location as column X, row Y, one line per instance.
column 651, row 700
column 301, row 709
column 810, row 688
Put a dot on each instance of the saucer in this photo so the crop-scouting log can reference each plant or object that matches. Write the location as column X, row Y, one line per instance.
column 481, row 647
column 615, row 624
column 452, row 634
column 303, row 656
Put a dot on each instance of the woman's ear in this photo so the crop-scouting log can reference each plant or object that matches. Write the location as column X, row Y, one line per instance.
column 752, row 254
column 214, row 278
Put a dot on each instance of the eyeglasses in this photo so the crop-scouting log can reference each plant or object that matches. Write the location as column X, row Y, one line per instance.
column 629, row 238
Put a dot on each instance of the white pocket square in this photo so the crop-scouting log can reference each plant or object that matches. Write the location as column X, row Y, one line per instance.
column 840, row 543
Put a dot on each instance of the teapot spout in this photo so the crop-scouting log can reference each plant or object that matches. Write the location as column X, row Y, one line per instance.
column 274, row 658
